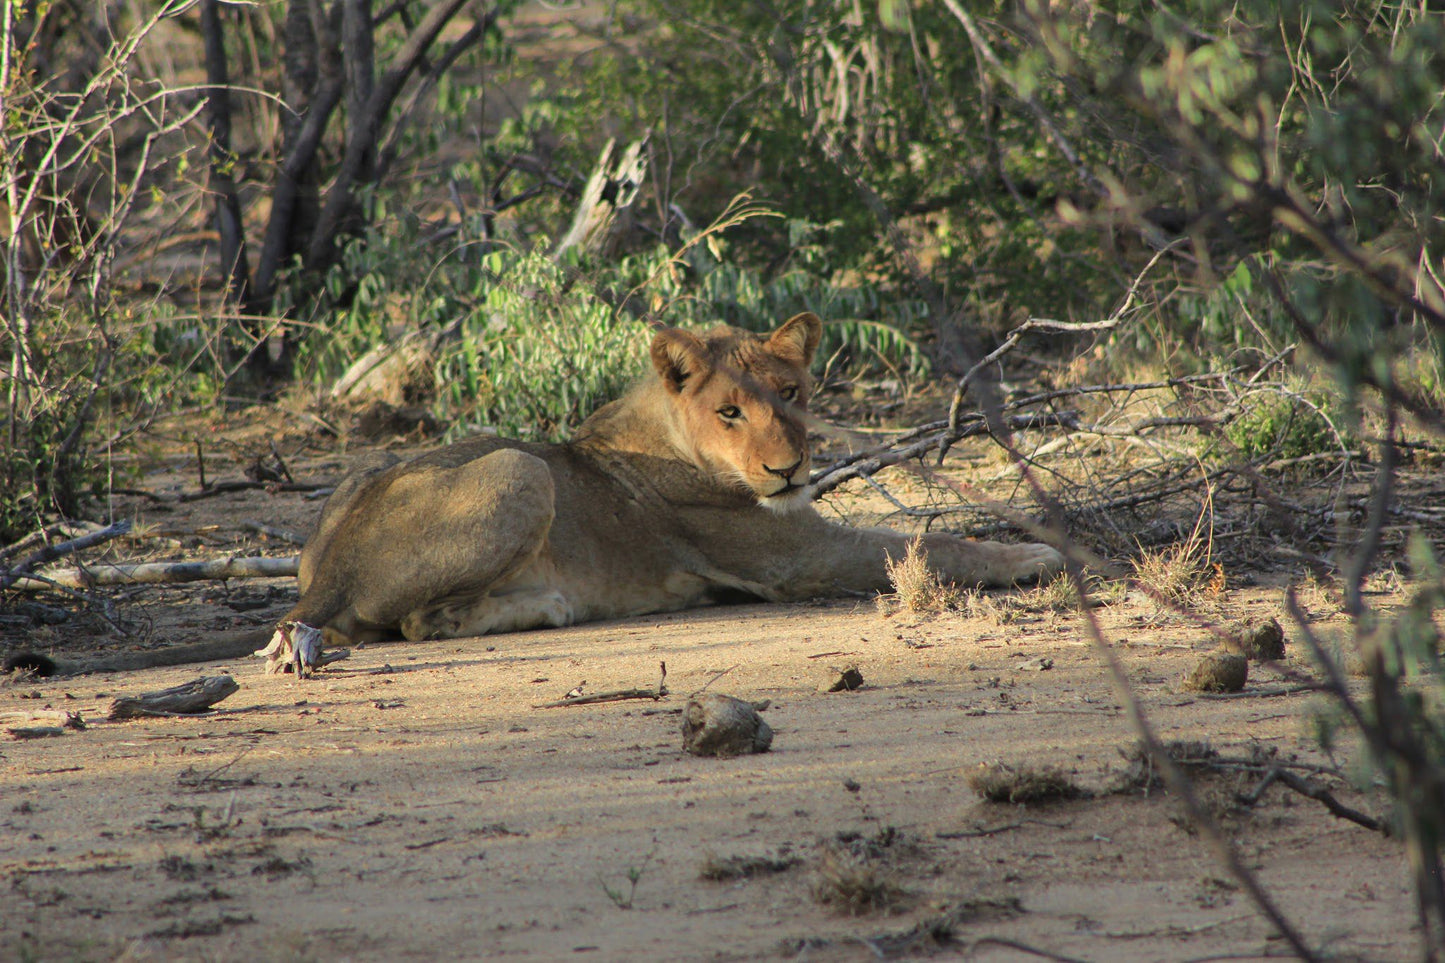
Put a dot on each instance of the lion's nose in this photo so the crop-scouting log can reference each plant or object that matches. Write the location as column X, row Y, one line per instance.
column 784, row 473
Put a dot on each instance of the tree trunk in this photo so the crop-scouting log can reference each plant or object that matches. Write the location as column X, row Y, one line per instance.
column 605, row 211
column 234, row 264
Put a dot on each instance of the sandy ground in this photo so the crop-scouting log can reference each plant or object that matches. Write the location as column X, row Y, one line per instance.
column 413, row 803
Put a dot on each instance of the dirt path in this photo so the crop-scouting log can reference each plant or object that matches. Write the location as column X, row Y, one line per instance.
column 415, row 805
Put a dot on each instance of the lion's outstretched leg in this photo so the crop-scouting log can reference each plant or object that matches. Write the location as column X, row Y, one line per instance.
column 995, row 564
column 425, row 539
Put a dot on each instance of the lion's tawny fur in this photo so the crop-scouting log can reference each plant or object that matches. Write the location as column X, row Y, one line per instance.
column 690, row 488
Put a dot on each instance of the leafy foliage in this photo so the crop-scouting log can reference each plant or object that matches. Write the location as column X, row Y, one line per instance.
column 531, row 347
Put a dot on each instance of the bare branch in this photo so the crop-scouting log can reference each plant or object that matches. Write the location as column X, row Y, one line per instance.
column 51, row 552
column 152, row 573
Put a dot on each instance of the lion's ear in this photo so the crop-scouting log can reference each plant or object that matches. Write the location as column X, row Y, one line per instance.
column 677, row 356
column 797, row 339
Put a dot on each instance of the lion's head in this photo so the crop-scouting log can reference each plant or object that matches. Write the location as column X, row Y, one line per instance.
column 740, row 399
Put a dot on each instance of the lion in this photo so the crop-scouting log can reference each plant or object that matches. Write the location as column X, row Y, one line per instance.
column 690, row 489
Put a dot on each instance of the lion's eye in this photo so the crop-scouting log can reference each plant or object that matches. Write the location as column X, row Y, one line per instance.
column 730, row 412
column 790, row 393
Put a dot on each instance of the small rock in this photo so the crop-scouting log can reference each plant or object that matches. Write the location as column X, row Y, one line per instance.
column 1218, row 672
column 848, row 680
column 719, row 725
column 1256, row 641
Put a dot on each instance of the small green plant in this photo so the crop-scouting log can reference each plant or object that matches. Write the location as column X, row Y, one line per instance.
column 539, row 353
column 634, row 876
column 529, row 348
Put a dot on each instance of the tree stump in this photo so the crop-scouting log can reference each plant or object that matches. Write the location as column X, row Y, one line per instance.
column 605, row 211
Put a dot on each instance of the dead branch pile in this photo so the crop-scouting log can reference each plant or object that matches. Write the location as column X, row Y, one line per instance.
column 1137, row 464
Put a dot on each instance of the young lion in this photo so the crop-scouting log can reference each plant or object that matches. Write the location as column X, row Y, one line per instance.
column 690, row 488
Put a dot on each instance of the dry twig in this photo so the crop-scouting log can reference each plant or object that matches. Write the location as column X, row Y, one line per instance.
column 614, row 695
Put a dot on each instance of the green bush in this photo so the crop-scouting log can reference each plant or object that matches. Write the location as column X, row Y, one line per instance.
column 531, row 349
column 1277, row 425
column 537, row 355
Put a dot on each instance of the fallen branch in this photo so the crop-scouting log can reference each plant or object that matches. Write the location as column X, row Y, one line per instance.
column 35, row 732
column 1262, row 693
column 978, row 833
column 47, row 717
column 186, row 699
column 1032, row 324
column 222, row 488
column 1319, row 794
column 615, row 695
column 152, row 573
column 51, row 552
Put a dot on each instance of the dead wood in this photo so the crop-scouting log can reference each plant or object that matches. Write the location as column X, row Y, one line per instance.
column 1311, row 790
column 152, row 573
column 35, row 732
column 605, row 211
column 615, row 695
column 186, row 699
column 224, row 487
column 1264, row 693
column 48, row 717
column 865, row 463
column 51, row 552
column 393, row 371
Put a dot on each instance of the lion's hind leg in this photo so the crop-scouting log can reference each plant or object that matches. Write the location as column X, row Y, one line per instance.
column 506, row 611
column 426, row 536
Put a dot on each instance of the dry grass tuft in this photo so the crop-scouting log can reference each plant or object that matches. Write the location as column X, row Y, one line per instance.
column 853, row 885
column 1002, row 783
column 1142, row 775
column 916, row 588
column 722, row 869
column 1061, row 595
column 1180, row 575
